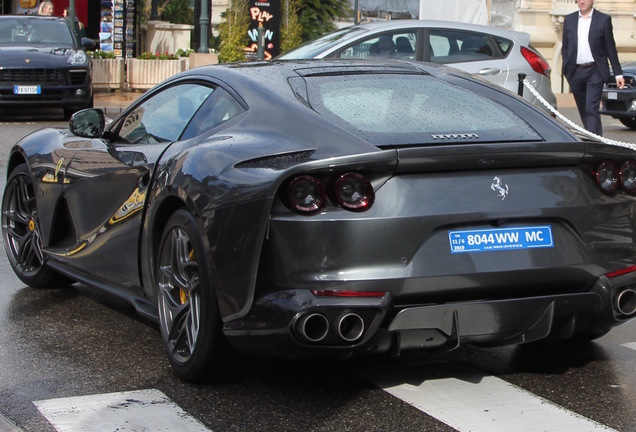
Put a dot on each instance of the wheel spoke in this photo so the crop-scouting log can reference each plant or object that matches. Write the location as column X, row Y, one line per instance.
column 25, row 200
column 16, row 217
column 185, row 274
column 30, row 253
column 19, row 238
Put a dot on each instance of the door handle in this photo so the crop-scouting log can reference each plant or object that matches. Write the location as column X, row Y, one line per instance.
column 489, row 71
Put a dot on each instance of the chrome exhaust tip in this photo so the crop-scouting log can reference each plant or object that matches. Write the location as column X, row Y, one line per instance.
column 313, row 327
column 626, row 301
column 350, row 327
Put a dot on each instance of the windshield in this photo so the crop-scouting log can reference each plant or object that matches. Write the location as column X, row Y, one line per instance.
column 411, row 109
column 315, row 47
column 20, row 31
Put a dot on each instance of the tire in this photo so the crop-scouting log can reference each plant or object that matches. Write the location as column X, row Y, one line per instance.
column 21, row 233
column 189, row 318
column 630, row 122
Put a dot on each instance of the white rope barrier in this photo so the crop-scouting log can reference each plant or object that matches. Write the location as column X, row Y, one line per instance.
column 571, row 123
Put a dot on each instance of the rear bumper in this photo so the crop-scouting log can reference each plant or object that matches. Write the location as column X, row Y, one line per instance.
column 278, row 323
column 618, row 102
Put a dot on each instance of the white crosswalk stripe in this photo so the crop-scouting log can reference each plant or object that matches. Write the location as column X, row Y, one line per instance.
column 479, row 403
column 141, row 410
column 631, row 345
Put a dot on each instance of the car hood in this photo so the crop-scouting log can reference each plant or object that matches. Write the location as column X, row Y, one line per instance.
column 21, row 56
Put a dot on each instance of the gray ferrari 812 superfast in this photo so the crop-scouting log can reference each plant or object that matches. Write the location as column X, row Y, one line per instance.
column 330, row 208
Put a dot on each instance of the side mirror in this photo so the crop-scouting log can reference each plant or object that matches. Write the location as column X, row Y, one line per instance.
column 87, row 43
column 88, row 123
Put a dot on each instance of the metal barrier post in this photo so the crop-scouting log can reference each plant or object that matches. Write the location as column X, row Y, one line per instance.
column 522, row 76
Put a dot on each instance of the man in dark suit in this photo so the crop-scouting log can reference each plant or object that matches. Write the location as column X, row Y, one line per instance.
column 588, row 45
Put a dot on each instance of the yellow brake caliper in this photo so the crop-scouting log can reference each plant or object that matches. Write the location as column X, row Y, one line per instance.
column 184, row 296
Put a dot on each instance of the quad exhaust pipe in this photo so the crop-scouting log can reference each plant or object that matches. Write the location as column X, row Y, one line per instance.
column 626, row 301
column 350, row 326
column 314, row 327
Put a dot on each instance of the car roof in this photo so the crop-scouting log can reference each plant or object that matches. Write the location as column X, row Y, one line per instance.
column 388, row 25
column 31, row 17
column 256, row 80
column 277, row 72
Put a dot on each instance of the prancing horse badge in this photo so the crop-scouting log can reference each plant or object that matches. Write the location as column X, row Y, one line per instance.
column 500, row 187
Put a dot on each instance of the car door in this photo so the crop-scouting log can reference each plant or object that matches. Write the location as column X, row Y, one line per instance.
column 472, row 52
column 107, row 183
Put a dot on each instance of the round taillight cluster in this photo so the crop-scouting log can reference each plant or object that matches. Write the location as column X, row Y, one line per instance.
column 627, row 176
column 608, row 177
column 353, row 191
column 307, row 194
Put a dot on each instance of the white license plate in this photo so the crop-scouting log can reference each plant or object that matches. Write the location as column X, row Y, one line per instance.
column 27, row 90
column 612, row 95
column 500, row 239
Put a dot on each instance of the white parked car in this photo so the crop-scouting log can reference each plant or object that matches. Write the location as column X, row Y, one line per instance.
column 498, row 55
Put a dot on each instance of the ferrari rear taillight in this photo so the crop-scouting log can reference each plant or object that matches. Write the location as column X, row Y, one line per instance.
column 306, row 194
column 606, row 177
column 609, row 178
column 353, row 191
column 627, row 176
column 538, row 63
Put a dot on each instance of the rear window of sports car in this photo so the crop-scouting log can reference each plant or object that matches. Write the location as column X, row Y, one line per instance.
column 411, row 109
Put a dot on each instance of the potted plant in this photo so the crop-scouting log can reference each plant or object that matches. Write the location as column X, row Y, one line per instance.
column 108, row 71
column 149, row 69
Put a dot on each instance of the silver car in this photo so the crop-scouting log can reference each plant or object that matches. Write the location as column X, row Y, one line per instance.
column 498, row 55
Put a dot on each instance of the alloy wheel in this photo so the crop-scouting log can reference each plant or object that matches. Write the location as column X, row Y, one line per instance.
column 179, row 297
column 20, row 226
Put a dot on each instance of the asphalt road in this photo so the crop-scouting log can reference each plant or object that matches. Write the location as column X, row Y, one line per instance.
column 71, row 360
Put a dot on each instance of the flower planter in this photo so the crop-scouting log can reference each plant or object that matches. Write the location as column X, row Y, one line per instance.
column 108, row 74
column 144, row 74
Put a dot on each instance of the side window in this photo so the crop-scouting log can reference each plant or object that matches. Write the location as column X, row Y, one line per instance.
column 164, row 116
column 448, row 46
column 505, row 45
column 218, row 108
column 399, row 45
